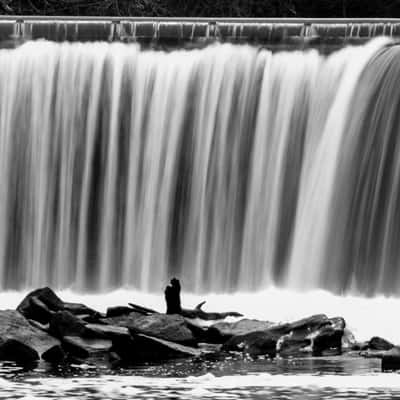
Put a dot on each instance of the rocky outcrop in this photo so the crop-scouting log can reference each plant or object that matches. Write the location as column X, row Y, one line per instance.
column 14, row 327
column 45, row 327
column 315, row 335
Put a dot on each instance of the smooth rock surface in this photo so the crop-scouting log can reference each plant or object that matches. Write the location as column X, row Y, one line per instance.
column 84, row 347
column 14, row 326
column 254, row 344
column 168, row 327
column 141, row 348
column 378, row 343
column 222, row 331
column 63, row 323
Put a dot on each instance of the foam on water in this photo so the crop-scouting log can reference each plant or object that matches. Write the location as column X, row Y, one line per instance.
column 207, row 386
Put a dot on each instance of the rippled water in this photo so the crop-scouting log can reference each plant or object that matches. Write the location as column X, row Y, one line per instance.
column 329, row 378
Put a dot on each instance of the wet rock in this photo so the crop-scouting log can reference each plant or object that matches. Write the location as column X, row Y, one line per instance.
column 106, row 331
column 254, row 344
column 14, row 350
column 391, row 359
column 80, row 309
column 288, row 346
column 85, row 347
column 290, row 339
column 377, row 343
column 328, row 341
column 41, row 304
column 63, row 323
column 223, row 331
column 143, row 348
column 349, row 341
column 118, row 311
column 304, row 327
column 168, row 327
column 54, row 355
column 14, row 326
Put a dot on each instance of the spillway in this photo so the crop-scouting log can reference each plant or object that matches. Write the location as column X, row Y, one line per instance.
column 235, row 167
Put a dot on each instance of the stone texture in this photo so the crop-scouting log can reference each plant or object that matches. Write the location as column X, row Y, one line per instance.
column 14, row 326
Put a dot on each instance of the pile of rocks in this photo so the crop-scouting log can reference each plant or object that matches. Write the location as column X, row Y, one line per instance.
column 45, row 327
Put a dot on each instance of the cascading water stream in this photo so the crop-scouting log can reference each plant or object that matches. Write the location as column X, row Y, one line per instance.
column 230, row 167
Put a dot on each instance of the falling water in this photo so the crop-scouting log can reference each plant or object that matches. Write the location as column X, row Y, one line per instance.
column 231, row 167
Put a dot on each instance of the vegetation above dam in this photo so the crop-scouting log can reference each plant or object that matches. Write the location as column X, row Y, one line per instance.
column 207, row 8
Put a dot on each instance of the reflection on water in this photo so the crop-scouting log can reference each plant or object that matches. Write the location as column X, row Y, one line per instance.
column 328, row 378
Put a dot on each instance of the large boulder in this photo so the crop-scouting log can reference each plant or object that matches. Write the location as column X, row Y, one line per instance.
column 86, row 347
column 223, row 331
column 168, row 327
column 378, row 343
column 289, row 346
column 291, row 339
column 13, row 326
column 143, row 348
column 14, row 350
column 391, row 359
column 328, row 341
column 41, row 304
column 261, row 343
column 63, row 323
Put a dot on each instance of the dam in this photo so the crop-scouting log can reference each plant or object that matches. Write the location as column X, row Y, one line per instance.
column 289, row 32
column 230, row 164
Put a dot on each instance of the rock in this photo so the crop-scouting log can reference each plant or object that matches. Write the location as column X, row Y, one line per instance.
column 80, row 309
column 63, row 323
column 303, row 327
column 54, row 355
column 37, row 305
column 254, row 344
column 84, row 347
column 118, row 311
column 14, row 350
column 41, row 304
column 328, row 341
column 349, row 341
column 288, row 346
column 173, row 297
column 168, row 327
column 338, row 323
column 391, row 359
column 106, row 331
column 377, row 343
column 42, row 327
column 142, row 348
column 222, row 331
column 14, row 326
column 291, row 339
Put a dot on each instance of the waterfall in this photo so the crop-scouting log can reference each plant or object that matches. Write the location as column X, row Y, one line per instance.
column 230, row 167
